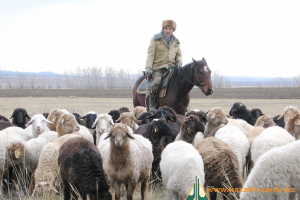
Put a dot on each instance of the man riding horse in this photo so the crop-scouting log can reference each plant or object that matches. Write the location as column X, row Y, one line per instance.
column 163, row 54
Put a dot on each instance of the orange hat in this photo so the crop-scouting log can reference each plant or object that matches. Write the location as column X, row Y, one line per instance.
column 170, row 23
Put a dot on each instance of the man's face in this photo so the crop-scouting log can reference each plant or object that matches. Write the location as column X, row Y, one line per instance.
column 168, row 31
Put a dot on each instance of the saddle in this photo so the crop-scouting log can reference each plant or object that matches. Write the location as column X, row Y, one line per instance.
column 142, row 88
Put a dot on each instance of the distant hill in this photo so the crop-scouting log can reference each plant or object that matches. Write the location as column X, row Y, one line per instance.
column 13, row 73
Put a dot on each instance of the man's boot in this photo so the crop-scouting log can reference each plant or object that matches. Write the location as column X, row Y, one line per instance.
column 152, row 103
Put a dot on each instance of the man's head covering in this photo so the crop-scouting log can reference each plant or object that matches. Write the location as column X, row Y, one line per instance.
column 169, row 23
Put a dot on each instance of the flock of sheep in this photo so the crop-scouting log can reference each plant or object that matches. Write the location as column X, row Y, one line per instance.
column 91, row 154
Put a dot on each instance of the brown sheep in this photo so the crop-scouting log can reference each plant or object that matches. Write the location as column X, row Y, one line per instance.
column 265, row 121
column 80, row 165
column 190, row 128
column 219, row 161
column 138, row 110
column 54, row 116
column 288, row 112
column 129, row 119
column 293, row 126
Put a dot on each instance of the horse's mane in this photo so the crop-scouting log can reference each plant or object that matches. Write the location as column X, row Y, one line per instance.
column 185, row 71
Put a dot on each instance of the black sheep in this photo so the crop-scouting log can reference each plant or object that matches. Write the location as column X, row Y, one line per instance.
column 81, row 166
column 115, row 114
column 124, row 109
column 256, row 113
column 156, row 131
column 143, row 118
column 240, row 111
column 20, row 117
column 88, row 122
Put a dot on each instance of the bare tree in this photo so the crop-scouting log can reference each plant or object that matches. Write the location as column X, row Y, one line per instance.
column 21, row 81
column 218, row 79
column 32, row 80
column 110, row 77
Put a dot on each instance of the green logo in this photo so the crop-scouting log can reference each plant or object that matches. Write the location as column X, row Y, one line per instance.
column 197, row 192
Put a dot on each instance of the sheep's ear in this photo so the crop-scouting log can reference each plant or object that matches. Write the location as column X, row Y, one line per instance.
column 26, row 115
column 12, row 115
column 280, row 117
column 120, row 118
column 129, row 135
column 297, row 122
column 29, row 123
column 95, row 123
column 261, row 123
column 108, row 135
column 46, row 120
column 84, row 117
column 111, row 121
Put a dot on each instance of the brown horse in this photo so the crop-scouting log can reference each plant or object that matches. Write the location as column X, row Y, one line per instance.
column 182, row 81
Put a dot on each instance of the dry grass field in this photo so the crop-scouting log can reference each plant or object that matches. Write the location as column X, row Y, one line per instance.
column 270, row 100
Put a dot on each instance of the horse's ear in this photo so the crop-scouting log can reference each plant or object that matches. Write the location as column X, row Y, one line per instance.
column 194, row 61
column 203, row 59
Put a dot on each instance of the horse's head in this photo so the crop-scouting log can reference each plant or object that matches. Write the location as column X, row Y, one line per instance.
column 202, row 76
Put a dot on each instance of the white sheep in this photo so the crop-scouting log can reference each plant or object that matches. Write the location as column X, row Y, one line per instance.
column 102, row 123
column 273, row 136
column 277, row 171
column 180, row 165
column 47, row 169
column 237, row 141
column 37, row 125
column 127, row 159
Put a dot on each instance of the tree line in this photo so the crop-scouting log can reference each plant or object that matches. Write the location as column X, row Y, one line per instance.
column 101, row 78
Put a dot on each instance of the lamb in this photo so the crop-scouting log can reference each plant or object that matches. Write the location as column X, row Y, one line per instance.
column 19, row 117
column 28, row 152
column 157, row 130
column 271, row 137
column 115, row 114
column 238, row 142
column 54, row 116
column 37, row 125
column 80, row 165
column 180, row 165
column 293, row 126
column 127, row 159
column 129, row 119
column 265, row 121
column 102, row 124
column 240, row 111
column 278, row 171
column 219, row 160
column 138, row 110
column 189, row 130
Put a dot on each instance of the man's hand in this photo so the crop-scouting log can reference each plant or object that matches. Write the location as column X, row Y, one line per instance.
column 178, row 63
column 147, row 72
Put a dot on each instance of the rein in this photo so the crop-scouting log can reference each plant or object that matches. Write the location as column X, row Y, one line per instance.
column 200, row 84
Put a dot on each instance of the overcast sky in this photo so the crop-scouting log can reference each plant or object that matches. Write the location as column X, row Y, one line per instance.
column 237, row 37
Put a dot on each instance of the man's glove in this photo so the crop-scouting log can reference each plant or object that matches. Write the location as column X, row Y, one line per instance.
column 178, row 63
column 147, row 72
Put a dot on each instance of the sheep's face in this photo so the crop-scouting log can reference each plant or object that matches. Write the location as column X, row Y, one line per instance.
column 103, row 125
column 160, row 128
column 192, row 125
column 217, row 116
column 69, row 123
column 119, row 135
column 38, row 123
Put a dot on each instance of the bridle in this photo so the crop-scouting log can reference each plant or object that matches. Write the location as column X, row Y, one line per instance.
column 198, row 79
